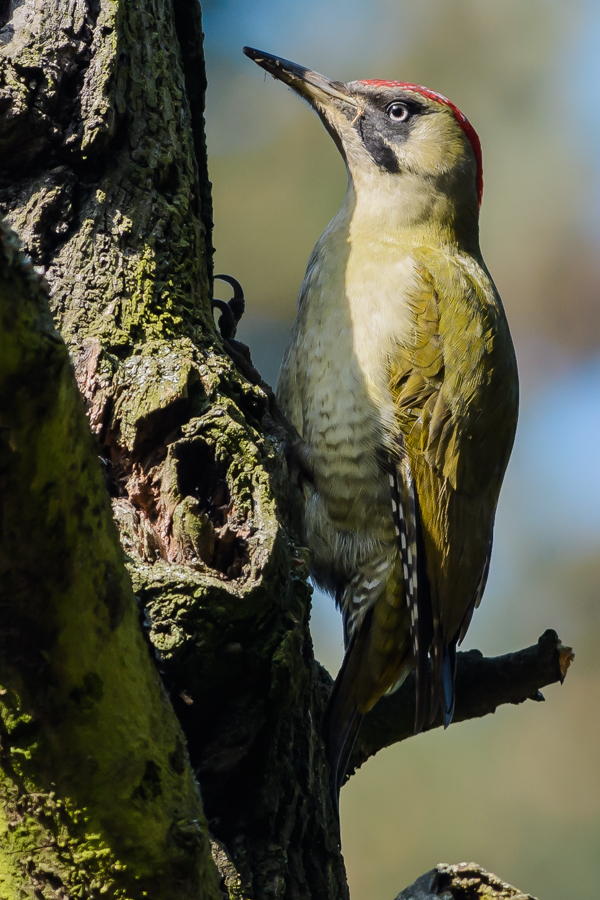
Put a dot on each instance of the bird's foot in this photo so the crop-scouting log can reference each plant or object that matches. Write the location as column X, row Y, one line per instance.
column 231, row 310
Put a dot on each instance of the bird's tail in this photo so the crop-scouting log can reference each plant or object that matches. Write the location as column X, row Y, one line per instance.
column 342, row 719
column 443, row 695
column 448, row 683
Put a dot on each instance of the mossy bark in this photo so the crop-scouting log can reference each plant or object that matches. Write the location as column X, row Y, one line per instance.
column 104, row 178
column 103, row 174
column 466, row 881
column 97, row 794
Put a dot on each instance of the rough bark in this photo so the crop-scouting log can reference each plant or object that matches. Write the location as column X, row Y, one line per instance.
column 103, row 174
column 97, row 795
column 466, row 881
column 104, row 178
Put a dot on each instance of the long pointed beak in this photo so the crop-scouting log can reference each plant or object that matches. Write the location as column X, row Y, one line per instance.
column 313, row 87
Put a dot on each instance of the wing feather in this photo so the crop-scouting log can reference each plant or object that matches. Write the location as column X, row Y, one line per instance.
column 455, row 392
column 416, row 588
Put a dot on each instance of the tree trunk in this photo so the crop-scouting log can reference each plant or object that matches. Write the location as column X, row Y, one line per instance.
column 105, row 180
column 103, row 174
column 97, row 795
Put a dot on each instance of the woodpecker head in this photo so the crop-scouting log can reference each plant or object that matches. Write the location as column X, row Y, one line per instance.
column 403, row 138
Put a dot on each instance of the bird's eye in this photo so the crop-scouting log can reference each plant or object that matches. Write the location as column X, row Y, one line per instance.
column 397, row 112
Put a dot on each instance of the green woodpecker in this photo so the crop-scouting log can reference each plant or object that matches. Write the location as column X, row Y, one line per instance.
column 402, row 382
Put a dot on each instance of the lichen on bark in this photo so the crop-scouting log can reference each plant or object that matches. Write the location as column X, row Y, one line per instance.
column 113, row 200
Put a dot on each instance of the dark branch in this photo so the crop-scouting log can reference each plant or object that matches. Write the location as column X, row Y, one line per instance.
column 482, row 684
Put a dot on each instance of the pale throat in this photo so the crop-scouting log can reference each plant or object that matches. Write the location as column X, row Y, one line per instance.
column 403, row 207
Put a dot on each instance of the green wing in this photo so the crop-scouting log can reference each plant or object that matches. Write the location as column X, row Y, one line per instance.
column 455, row 390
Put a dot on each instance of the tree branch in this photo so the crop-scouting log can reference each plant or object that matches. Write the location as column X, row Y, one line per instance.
column 482, row 684
column 466, row 881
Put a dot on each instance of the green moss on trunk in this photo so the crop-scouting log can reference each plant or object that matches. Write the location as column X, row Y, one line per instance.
column 98, row 798
column 113, row 199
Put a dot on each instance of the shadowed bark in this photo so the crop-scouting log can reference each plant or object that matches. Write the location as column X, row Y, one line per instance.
column 103, row 174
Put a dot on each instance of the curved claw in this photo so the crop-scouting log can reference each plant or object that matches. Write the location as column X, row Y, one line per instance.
column 227, row 323
column 231, row 311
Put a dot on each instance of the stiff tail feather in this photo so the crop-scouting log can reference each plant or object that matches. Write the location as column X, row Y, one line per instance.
column 443, row 694
column 448, row 692
column 342, row 719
